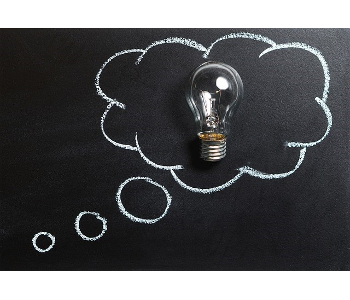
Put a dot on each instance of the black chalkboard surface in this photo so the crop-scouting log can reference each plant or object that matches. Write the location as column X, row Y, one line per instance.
column 100, row 166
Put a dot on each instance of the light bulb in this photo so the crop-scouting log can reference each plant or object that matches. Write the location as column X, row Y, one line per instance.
column 213, row 94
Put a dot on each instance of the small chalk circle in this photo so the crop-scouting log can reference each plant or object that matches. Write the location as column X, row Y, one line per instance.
column 53, row 240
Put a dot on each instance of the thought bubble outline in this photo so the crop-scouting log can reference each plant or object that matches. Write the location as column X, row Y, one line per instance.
column 98, row 217
column 193, row 44
column 52, row 237
column 137, row 219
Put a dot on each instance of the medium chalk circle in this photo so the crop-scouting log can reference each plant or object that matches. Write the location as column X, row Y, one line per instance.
column 130, row 216
column 98, row 217
column 53, row 239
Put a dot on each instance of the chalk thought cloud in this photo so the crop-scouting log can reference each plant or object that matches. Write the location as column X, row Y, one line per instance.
column 233, row 37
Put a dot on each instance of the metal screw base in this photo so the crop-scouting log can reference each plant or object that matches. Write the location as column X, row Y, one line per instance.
column 213, row 150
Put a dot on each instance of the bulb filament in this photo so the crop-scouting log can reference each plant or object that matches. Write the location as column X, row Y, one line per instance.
column 212, row 117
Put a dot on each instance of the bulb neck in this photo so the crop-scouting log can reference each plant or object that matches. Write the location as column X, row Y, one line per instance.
column 213, row 150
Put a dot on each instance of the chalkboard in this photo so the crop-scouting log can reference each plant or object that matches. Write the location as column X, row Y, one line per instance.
column 100, row 162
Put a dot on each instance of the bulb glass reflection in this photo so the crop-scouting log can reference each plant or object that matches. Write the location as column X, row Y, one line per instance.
column 213, row 94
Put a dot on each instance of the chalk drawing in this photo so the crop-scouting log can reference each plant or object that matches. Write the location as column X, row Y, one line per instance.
column 172, row 40
column 53, row 239
column 329, row 125
column 98, row 217
column 262, row 175
column 240, row 35
column 207, row 190
column 177, row 167
column 311, row 50
column 132, row 217
column 97, row 79
column 241, row 171
column 127, row 147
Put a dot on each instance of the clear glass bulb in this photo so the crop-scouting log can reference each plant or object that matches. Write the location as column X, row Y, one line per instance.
column 213, row 94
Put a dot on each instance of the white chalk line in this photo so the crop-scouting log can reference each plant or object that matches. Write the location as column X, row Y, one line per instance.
column 312, row 50
column 176, row 167
column 53, row 240
column 97, row 79
column 134, row 218
column 205, row 190
column 321, row 102
column 98, row 217
column 127, row 147
column 262, row 175
column 245, row 169
column 240, row 35
column 329, row 125
column 172, row 40
column 187, row 42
